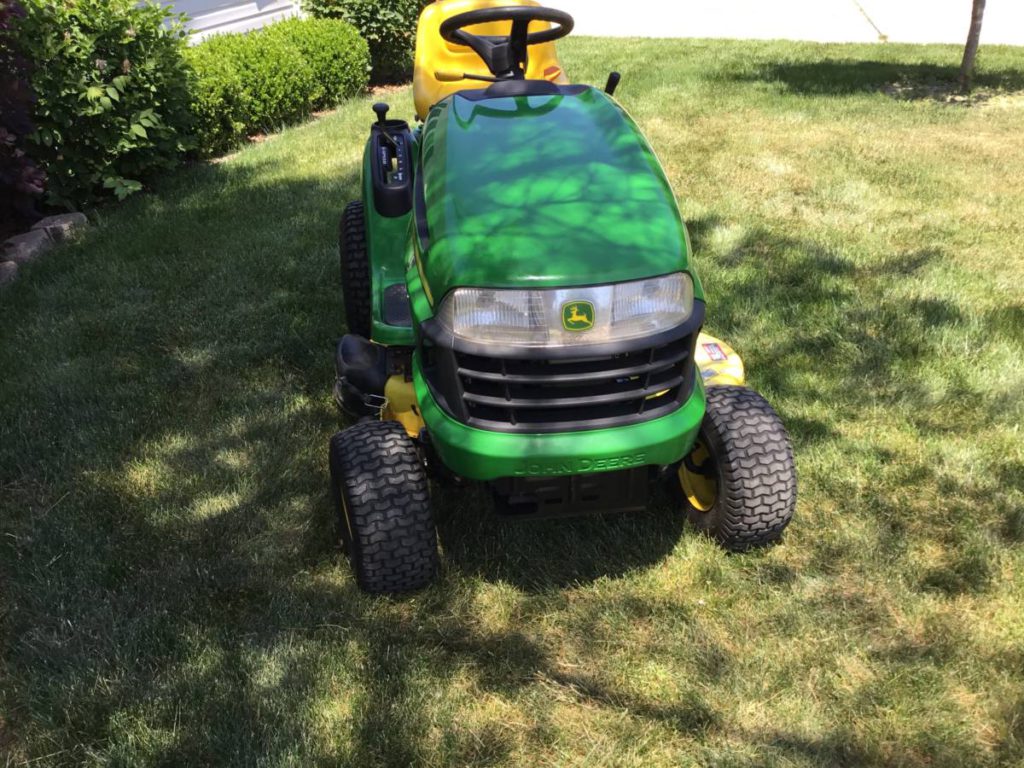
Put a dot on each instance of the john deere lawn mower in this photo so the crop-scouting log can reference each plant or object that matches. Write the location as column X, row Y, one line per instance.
column 522, row 312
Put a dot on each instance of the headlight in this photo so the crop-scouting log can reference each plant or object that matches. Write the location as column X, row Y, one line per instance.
column 564, row 317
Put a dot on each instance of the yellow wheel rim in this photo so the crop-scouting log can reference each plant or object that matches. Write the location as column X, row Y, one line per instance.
column 700, row 487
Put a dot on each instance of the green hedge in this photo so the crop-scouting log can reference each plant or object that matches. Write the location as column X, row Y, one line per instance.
column 112, row 101
column 120, row 97
column 336, row 52
column 249, row 83
column 389, row 26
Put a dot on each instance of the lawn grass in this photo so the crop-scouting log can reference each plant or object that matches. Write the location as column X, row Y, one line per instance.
column 170, row 588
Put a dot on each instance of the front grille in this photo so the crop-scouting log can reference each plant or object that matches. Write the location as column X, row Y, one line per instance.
column 550, row 395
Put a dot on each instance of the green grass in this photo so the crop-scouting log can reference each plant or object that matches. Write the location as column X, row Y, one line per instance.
column 170, row 588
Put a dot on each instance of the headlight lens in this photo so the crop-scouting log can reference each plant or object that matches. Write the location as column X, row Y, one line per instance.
column 566, row 317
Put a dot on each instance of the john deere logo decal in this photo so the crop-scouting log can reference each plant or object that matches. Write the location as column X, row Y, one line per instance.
column 578, row 316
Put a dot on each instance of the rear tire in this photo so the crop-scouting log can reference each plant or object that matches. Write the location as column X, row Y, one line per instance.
column 383, row 505
column 750, row 470
column 355, row 271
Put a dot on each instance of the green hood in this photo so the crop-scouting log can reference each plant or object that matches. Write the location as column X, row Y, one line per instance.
column 544, row 191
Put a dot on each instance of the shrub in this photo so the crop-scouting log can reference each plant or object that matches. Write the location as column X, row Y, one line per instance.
column 218, row 100
column 21, row 180
column 259, row 81
column 247, row 84
column 334, row 50
column 389, row 26
column 112, row 100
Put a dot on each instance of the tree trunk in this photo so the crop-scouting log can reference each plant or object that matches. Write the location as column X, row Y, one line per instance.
column 971, row 51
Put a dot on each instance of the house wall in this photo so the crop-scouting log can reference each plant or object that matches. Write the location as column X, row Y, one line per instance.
column 209, row 17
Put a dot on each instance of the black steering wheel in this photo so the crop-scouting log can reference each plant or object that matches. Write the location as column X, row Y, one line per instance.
column 507, row 57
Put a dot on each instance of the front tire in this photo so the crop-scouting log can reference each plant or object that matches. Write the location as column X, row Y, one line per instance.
column 739, row 482
column 383, row 505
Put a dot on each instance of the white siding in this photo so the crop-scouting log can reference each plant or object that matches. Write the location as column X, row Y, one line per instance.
column 210, row 17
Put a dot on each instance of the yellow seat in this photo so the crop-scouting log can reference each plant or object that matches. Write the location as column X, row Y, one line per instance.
column 434, row 54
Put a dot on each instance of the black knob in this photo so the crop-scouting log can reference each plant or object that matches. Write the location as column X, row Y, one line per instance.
column 382, row 111
column 613, row 83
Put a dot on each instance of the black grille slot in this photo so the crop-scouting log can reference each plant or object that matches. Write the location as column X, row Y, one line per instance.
column 566, row 395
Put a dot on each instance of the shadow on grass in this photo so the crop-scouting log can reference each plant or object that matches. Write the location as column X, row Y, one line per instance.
column 171, row 573
column 844, row 77
column 172, row 589
column 161, row 456
column 539, row 555
column 841, row 336
column 392, row 721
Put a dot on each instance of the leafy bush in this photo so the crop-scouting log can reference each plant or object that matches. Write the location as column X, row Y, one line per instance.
column 334, row 50
column 21, row 180
column 259, row 81
column 245, row 84
column 112, row 94
column 218, row 96
column 389, row 26
column 119, row 96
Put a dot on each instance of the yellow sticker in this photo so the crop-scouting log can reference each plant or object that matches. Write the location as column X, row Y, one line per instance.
column 578, row 316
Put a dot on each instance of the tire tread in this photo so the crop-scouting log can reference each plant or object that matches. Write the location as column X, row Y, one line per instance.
column 355, row 270
column 393, row 547
column 758, row 476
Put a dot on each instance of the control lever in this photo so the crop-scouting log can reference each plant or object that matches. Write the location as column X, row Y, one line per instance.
column 613, row 83
column 381, row 110
column 391, row 164
column 454, row 77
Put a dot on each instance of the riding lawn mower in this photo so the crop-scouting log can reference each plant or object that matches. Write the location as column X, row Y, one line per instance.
column 523, row 312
